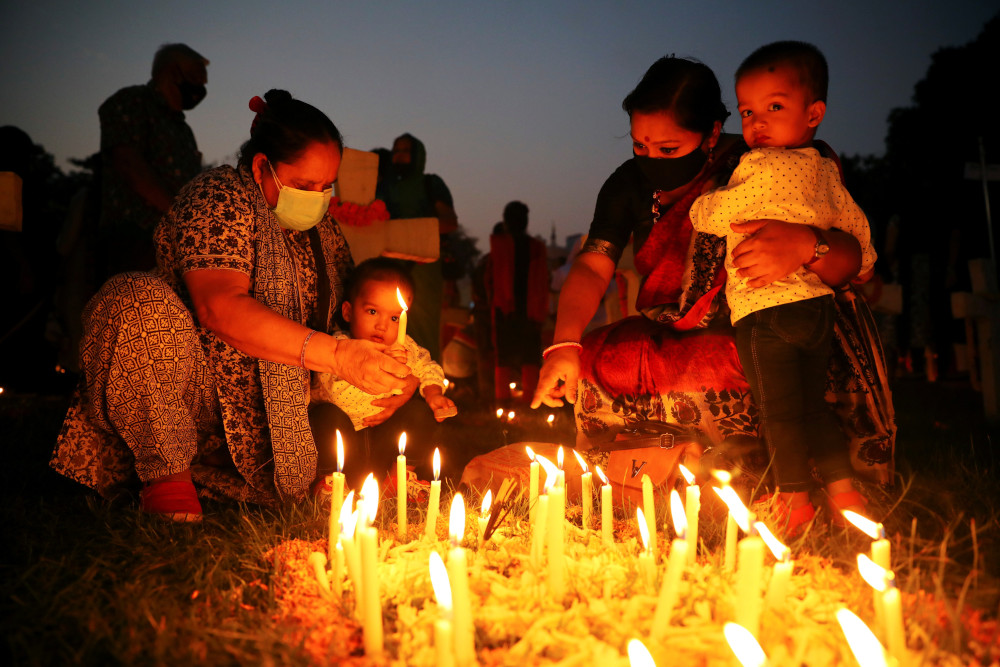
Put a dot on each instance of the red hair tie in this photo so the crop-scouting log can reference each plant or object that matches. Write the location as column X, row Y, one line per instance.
column 258, row 106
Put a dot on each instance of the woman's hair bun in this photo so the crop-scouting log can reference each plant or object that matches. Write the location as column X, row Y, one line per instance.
column 277, row 96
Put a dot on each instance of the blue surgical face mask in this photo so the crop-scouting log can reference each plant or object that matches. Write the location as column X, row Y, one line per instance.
column 299, row 209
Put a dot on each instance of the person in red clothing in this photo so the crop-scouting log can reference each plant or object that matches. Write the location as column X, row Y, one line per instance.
column 519, row 297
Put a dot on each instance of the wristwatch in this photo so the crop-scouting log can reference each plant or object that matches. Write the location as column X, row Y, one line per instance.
column 821, row 247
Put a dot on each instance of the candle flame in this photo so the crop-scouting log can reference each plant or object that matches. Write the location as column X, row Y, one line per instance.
column 744, row 646
column 499, row 413
column 643, row 528
column 551, row 472
column 678, row 515
column 456, row 520
column 340, row 452
column 447, row 382
column 638, row 654
column 579, row 459
column 736, row 507
column 722, row 476
column 369, row 499
column 402, row 443
column 348, row 517
column 551, row 418
column 513, row 386
column 559, row 457
column 439, row 582
column 510, row 416
column 780, row 551
column 437, row 463
column 600, row 473
column 877, row 576
column 530, row 451
column 688, row 475
column 865, row 525
column 866, row 648
column 402, row 301
column 484, row 510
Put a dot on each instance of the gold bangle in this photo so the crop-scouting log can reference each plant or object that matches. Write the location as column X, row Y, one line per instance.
column 302, row 354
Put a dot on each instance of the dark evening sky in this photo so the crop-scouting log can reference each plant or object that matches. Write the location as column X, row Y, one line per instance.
column 515, row 100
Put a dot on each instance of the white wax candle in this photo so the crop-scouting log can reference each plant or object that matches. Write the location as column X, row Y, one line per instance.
column 444, row 641
column 538, row 532
column 587, row 497
column 337, row 574
column 649, row 509
column 647, row 570
column 433, row 509
column 318, row 562
column 458, row 575
column 882, row 557
column 692, row 508
column 749, row 572
column 606, row 536
column 777, row 588
column 372, row 615
column 533, row 492
column 679, row 549
column 895, row 634
column 336, row 503
column 401, row 333
column 401, row 487
column 555, row 530
column 353, row 561
column 729, row 561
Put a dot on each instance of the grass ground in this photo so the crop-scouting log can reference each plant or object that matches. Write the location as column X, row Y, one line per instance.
column 87, row 582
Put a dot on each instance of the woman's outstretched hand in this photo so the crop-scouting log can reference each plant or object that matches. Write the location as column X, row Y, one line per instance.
column 367, row 367
column 774, row 250
column 557, row 379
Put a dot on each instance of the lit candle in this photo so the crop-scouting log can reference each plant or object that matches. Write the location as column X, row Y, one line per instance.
column 510, row 416
column 348, row 524
column 866, row 648
column 729, row 560
column 555, row 530
column 550, row 419
column 679, row 549
column 749, row 566
column 586, row 490
column 401, row 334
column 430, row 526
column 647, row 568
column 881, row 556
column 532, row 486
column 781, row 574
column 884, row 581
column 368, row 538
column 744, row 645
column 638, row 654
column 444, row 636
column 401, row 486
column 606, row 536
column 538, row 530
column 484, row 516
column 499, row 413
column 561, row 475
column 336, row 498
column 649, row 509
column 692, row 507
column 458, row 574
column 337, row 574
column 317, row 561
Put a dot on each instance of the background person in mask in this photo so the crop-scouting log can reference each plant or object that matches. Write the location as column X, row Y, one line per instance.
column 199, row 373
column 410, row 193
column 676, row 362
column 148, row 152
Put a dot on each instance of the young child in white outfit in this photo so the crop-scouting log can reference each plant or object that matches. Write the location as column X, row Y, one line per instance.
column 372, row 311
column 784, row 330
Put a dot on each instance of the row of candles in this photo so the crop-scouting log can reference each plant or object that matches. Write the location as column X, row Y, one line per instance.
column 354, row 542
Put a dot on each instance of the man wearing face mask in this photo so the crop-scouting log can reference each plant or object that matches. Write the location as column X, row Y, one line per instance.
column 149, row 152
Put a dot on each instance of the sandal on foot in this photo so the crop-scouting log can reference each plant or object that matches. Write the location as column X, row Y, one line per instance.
column 842, row 501
column 175, row 500
column 792, row 523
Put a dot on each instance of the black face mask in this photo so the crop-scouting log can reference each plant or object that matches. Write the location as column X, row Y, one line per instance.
column 671, row 173
column 191, row 94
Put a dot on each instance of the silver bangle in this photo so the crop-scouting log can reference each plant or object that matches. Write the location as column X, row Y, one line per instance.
column 302, row 354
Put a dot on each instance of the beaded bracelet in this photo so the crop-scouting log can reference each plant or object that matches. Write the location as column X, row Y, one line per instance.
column 302, row 355
column 552, row 348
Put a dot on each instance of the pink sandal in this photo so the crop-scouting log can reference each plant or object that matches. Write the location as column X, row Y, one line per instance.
column 175, row 500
